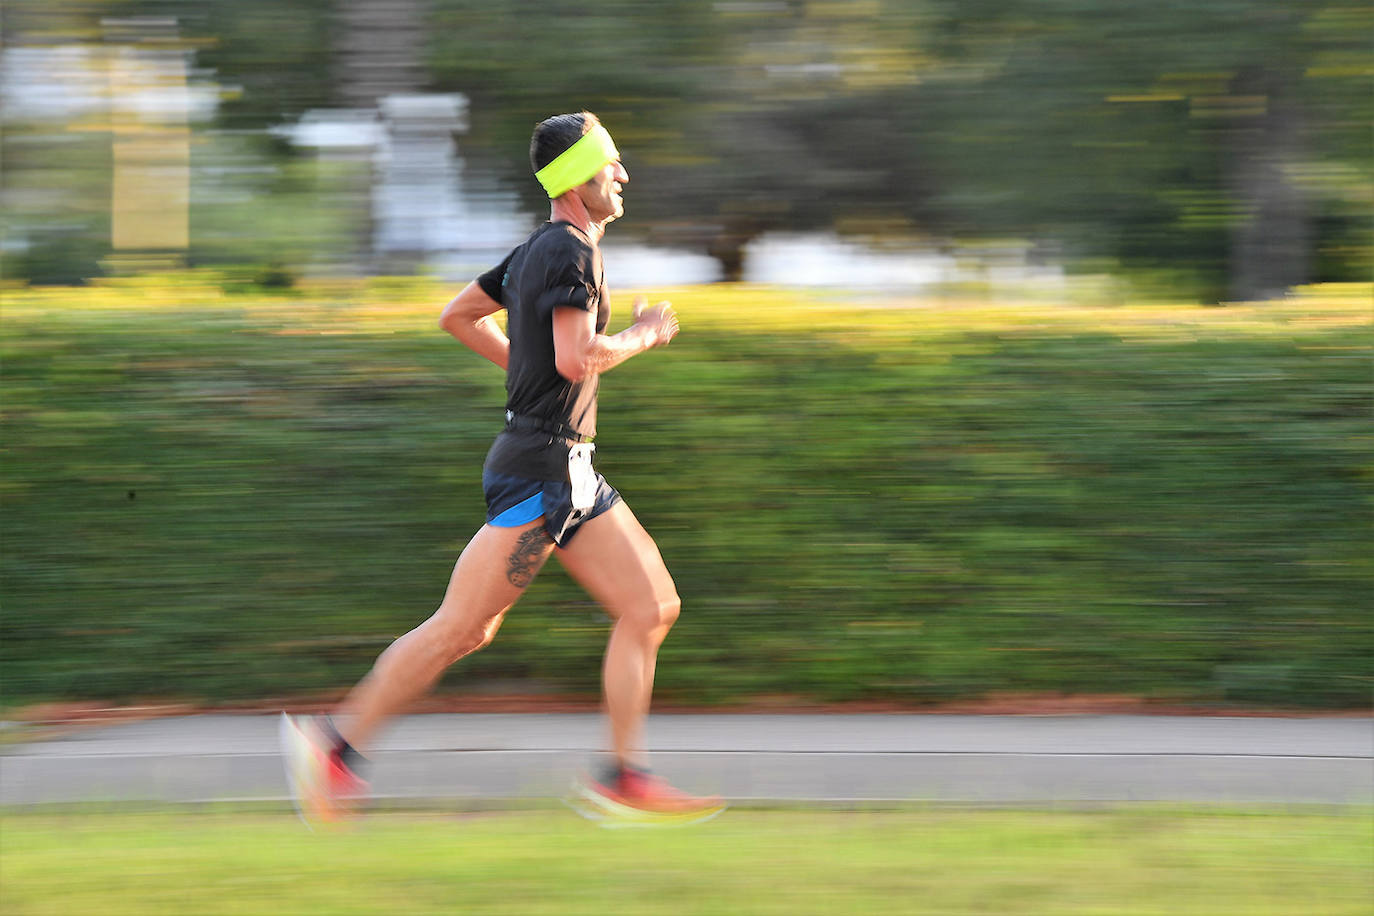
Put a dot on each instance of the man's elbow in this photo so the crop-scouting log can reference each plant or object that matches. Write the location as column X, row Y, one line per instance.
column 453, row 321
column 570, row 367
column 573, row 363
column 446, row 319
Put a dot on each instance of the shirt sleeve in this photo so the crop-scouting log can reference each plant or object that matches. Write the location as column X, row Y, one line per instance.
column 493, row 280
column 572, row 282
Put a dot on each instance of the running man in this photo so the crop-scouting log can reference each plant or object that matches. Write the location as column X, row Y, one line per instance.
column 543, row 497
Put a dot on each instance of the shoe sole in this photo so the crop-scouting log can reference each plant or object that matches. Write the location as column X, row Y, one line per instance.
column 294, row 757
column 613, row 815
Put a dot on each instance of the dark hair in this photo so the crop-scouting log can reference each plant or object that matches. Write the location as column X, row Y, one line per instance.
column 553, row 136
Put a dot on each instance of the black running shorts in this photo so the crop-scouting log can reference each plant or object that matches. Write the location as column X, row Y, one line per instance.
column 514, row 501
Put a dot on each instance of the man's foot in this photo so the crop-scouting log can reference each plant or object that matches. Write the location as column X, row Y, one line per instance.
column 631, row 797
column 323, row 787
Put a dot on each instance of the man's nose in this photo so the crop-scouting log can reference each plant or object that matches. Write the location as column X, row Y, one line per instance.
column 621, row 175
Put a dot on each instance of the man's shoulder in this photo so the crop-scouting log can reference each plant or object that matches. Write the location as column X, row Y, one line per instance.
column 558, row 245
column 561, row 237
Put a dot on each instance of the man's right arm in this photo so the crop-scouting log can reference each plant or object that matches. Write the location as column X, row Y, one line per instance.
column 580, row 352
column 468, row 318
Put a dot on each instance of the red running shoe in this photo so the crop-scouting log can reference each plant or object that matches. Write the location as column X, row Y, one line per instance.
column 323, row 788
column 635, row 797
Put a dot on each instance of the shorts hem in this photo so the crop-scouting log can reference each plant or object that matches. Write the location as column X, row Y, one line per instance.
column 562, row 538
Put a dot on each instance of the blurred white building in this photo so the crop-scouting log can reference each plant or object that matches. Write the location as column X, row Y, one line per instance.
column 425, row 211
column 137, row 90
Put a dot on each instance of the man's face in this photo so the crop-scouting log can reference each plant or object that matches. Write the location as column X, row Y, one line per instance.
column 601, row 193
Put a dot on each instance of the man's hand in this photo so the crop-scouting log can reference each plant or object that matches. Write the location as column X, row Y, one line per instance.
column 660, row 321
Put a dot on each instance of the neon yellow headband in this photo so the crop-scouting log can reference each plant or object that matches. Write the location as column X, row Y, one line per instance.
column 578, row 163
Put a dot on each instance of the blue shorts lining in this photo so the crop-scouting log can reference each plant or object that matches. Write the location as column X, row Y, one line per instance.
column 547, row 499
column 522, row 513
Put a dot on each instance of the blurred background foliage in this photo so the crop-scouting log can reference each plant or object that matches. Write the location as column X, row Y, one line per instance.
column 1218, row 150
column 218, row 497
column 244, row 476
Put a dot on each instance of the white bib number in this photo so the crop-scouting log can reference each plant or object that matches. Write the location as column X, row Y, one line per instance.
column 581, row 475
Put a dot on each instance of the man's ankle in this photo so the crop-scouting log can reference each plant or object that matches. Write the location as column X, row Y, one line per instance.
column 350, row 756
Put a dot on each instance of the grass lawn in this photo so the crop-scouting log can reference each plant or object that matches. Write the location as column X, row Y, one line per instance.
column 748, row 861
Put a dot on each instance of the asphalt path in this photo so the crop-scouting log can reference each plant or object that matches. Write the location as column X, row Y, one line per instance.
column 764, row 758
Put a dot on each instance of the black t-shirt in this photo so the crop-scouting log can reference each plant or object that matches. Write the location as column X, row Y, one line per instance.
column 557, row 266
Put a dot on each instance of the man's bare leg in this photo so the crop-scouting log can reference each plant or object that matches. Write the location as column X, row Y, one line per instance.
column 619, row 565
column 492, row 573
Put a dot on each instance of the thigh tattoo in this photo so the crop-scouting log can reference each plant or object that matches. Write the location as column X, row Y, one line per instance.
column 528, row 556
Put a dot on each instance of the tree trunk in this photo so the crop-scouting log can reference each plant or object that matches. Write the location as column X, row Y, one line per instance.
column 381, row 47
column 728, row 243
column 1271, row 241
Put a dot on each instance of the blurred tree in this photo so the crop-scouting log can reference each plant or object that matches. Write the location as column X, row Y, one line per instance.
column 379, row 49
column 1215, row 145
column 646, row 69
column 1165, row 136
column 277, row 57
column 735, row 118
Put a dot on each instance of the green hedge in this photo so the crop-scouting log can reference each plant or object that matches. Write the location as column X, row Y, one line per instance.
column 222, row 498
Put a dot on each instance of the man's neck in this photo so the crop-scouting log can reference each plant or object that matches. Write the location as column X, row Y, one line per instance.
column 569, row 209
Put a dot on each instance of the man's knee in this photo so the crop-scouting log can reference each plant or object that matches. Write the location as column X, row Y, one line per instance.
column 458, row 640
column 669, row 609
column 660, row 615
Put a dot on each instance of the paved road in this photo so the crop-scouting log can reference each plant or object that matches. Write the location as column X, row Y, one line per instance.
column 968, row 759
